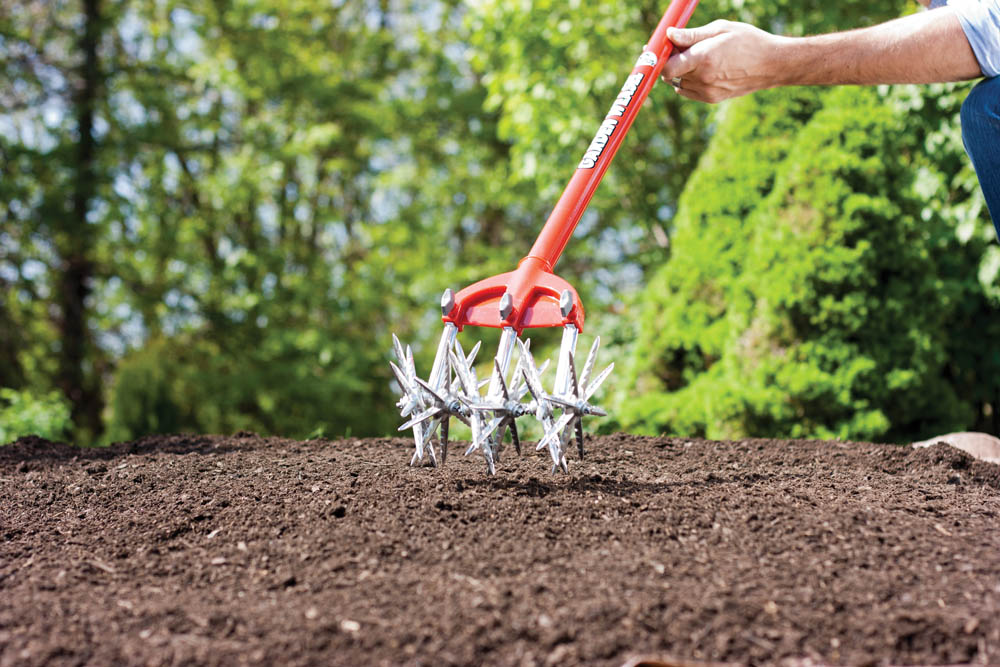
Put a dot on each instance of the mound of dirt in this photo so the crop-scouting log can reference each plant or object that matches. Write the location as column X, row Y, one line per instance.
column 233, row 550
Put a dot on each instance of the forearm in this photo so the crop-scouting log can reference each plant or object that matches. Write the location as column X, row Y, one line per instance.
column 922, row 48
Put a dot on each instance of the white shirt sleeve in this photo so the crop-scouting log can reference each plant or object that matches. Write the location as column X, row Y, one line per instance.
column 980, row 20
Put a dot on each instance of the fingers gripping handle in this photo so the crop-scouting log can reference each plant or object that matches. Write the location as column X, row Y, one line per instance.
column 573, row 202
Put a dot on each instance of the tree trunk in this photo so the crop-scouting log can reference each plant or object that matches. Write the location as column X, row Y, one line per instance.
column 76, row 271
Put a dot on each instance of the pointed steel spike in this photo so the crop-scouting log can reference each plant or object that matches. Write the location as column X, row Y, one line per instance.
column 490, row 465
column 579, row 437
column 553, row 433
column 430, row 390
column 562, row 401
column 418, row 441
column 462, row 374
column 409, row 359
column 422, row 417
column 575, row 386
column 596, row 411
column 506, row 420
column 467, row 373
column 563, row 464
column 397, row 348
column 527, row 383
column 597, row 382
column 484, row 435
column 444, row 440
column 514, row 437
column 413, row 459
column 430, row 450
column 431, row 428
column 588, row 366
column 530, row 372
column 471, row 357
column 400, row 377
column 503, row 384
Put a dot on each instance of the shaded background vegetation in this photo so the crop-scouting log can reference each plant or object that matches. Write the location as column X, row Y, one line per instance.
column 213, row 215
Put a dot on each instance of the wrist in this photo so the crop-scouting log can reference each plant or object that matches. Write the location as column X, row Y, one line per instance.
column 790, row 62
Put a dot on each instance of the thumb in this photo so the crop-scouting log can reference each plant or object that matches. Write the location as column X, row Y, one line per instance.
column 686, row 37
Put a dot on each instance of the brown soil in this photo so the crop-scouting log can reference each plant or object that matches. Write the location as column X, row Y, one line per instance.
column 226, row 550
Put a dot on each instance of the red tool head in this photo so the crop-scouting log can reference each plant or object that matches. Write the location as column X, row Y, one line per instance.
column 530, row 296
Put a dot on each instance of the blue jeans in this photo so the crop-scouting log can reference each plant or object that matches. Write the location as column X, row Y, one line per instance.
column 981, row 135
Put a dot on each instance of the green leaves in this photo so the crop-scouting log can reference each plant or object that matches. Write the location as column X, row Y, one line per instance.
column 812, row 291
column 280, row 184
column 23, row 413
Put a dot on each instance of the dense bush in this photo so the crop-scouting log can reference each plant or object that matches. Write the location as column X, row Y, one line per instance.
column 24, row 413
column 297, row 384
column 812, row 291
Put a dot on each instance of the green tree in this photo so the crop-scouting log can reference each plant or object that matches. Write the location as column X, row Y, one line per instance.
column 812, row 292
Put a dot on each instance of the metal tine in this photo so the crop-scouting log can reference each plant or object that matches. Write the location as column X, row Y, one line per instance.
column 471, row 358
column 522, row 387
column 467, row 373
column 407, row 402
column 572, row 374
column 397, row 347
column 562, row 402
column 484, row 434
column 430, row 390
column 470, row 385
column 579, row 437
column 411, row 369
column 530, row 372
column 444, row 440
column 588, row 366
column 419, row 440
column 553, row 435
column 597, row 382
column 400, row 376
column 422, row 417
column 514, row 437
column 503, row 383
column 531, row 379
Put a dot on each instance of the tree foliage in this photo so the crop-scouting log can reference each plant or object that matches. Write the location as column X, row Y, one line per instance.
column 213, row 216
column 813, row 290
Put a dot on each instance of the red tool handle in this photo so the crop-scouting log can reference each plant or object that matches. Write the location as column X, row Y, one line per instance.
column 573, row 202
column 530, row 295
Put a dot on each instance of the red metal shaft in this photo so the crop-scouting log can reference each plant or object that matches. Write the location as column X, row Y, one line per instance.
column 531, row 295
column 562, row 221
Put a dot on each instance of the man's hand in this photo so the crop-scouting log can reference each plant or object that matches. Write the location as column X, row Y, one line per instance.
column 721, row 60
column 725, row 59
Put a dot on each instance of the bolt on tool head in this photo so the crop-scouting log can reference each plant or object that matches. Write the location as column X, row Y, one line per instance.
column 530, row 296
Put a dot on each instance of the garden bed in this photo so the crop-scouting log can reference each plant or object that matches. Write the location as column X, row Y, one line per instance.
column 241, row 549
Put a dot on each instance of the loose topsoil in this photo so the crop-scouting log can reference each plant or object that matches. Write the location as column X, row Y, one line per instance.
column 231, row 550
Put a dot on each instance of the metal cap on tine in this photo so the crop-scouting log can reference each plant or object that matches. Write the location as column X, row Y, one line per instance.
column 447, row 302
column 566, row 303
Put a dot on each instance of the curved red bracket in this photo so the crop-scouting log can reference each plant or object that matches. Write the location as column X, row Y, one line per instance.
column 534, row 291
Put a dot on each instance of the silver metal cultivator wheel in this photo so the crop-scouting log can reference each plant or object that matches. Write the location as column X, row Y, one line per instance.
column 453, row 390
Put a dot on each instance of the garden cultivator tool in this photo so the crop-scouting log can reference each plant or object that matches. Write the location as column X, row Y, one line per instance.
column 530, row 296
